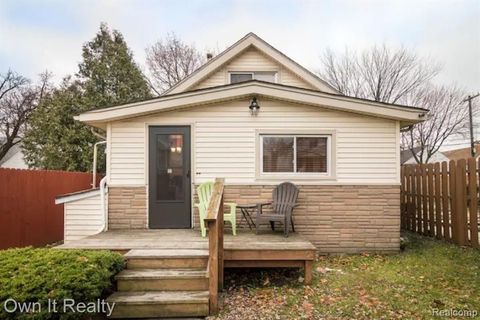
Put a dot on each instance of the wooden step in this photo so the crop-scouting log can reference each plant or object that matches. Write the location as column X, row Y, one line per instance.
column 155, row 304
column 166, row 258
column 162, row 280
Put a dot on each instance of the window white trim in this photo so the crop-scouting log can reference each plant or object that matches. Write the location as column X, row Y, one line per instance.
column 331, row 155
column 295, row 136
column 229, row 73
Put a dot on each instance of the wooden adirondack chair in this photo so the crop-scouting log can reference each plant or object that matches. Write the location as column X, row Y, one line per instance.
column 204, row 192
column 284, row 198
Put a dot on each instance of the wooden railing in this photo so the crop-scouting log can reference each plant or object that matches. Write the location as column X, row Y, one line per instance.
column 214, row 222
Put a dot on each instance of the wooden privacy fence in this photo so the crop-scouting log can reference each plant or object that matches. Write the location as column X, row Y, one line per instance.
column 28, row 214
column 441, row 200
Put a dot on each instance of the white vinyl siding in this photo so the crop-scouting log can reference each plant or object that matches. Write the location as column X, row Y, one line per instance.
column 224, row 142
column 252, row 60
column 290, row 79
column 83, row 217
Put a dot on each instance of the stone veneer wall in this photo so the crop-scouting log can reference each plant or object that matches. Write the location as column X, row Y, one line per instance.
column 127, row 208
column 336, row 219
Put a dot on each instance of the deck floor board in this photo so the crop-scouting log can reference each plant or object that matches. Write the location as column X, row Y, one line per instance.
column 186, row 239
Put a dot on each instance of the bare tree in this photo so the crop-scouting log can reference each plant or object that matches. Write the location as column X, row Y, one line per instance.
column 447, row 116
column 400, row 76
column 18, row 98
column 170, row 60
column 380, row 73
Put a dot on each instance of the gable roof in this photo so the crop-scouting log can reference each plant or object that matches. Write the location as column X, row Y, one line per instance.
column 250, row 40
column 462, row 153
column 407, row 115
column 407, row 154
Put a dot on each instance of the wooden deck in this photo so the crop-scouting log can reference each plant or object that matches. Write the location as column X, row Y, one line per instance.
column 246, row 249
column 155, row 282
column 245, row 244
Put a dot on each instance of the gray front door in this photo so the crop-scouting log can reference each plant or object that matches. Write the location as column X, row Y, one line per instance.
column 169, row 177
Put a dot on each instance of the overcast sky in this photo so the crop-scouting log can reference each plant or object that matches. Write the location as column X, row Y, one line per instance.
column 37, row 35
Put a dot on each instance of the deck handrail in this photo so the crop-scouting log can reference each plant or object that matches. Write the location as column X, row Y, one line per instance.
column 214, row 222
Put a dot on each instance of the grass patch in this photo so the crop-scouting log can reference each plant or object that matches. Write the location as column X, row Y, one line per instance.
column 429, row 274
column 37, row 275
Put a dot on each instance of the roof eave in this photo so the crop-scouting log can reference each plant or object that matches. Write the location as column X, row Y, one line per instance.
column 405, row 115
column 74, row 196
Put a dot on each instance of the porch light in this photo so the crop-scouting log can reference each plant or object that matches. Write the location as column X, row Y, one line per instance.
column 254, row 107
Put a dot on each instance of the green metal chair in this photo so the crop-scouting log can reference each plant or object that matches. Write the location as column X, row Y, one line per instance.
column 204, row 192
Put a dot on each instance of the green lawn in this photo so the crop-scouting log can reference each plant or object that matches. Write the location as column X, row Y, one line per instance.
column 427, row 275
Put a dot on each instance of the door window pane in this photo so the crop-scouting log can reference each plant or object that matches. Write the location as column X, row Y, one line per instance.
column 277, row 154
column 311, row 154
column 170, row 169
column 240, row 77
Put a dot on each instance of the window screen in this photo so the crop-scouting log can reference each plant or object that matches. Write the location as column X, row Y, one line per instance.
column 311, row 154
column 240, row 77
column 278, row 154
column 295, row 154
column 265, row 76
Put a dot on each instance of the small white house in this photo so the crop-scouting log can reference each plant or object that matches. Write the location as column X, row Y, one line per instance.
column 14, row 159
column 406, row 156
column 257, row 118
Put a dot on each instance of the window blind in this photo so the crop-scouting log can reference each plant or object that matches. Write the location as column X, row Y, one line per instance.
column 278, row 154
column 311, row 154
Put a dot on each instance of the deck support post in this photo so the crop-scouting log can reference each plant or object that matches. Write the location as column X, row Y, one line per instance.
column 308, row 271
column 220, row 224
column 215, row 222
column 213, row 266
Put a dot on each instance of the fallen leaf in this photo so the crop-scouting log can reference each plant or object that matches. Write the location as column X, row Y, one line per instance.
column 322, row 270
column 266, row 282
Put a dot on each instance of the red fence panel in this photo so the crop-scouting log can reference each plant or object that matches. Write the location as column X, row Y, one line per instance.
column 28, row 214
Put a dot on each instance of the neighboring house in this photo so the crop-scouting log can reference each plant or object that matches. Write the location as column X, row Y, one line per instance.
column 406, row 156
column 342, row 152
column 14, row 158
column 463, row 153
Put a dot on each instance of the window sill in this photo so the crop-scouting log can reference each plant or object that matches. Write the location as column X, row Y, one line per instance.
column 296, row 177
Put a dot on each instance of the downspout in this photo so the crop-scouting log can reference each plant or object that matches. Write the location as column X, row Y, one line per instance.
column 103, row 191
column 103, row 182
column 95, row 149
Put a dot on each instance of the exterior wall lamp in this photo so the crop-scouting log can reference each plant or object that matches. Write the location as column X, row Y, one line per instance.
column 254, row 107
